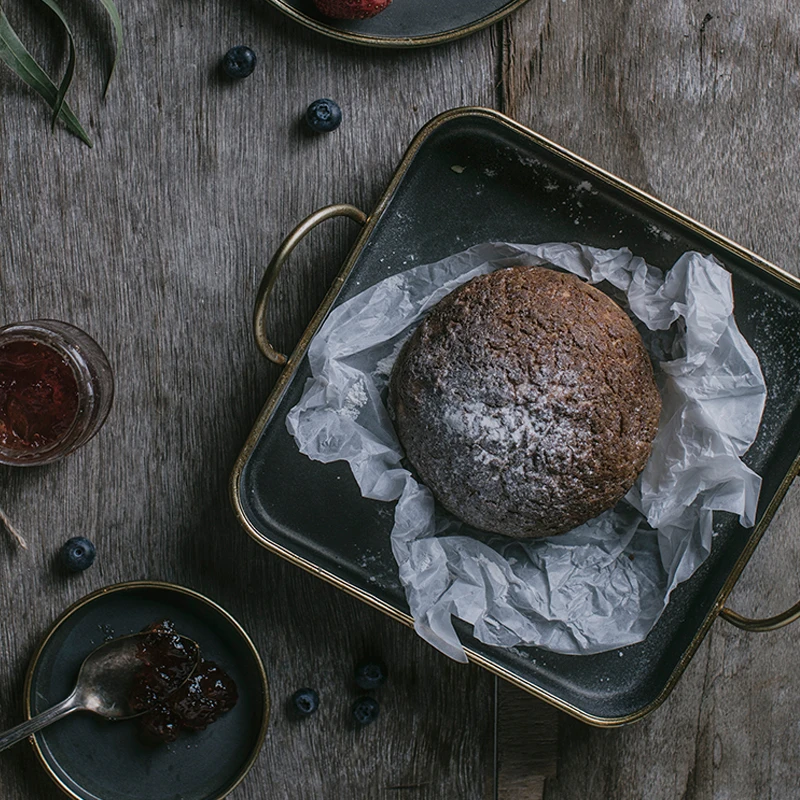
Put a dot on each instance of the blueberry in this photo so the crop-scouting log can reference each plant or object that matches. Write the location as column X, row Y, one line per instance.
column 323, row 116
column 239, row 62
column 365, row 710
column 370, row 675
column 305, row 701
column 77, row 554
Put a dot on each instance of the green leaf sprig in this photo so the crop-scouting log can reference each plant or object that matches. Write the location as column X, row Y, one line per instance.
column 16, row 56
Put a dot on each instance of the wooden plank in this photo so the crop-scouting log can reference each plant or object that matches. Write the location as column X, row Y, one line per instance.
column 155, row 242
column 698, row 104
column 526, row 744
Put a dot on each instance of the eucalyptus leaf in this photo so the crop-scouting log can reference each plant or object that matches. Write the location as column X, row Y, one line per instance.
column 111, row 9
column 67, row 79
column 16, row 56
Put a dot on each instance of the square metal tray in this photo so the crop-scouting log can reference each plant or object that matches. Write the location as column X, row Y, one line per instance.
column 470, row 176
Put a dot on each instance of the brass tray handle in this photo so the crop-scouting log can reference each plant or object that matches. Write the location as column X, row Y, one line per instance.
column 274, row 267
column 761, row 625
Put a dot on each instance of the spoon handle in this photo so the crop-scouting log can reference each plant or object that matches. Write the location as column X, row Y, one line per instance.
column 25, row 729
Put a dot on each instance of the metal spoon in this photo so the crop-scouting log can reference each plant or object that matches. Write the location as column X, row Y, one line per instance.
column 103, row 685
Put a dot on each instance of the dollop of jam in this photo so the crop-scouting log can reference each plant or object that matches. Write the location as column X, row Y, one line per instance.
column 167, row 661
column 174, row 702
column 39, row 395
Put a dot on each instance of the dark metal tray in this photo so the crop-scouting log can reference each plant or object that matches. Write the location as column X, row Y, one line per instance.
column 405, row 23
column 472, row 175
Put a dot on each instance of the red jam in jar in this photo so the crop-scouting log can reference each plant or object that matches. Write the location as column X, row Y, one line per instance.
column 56, row 389
column 38, row 395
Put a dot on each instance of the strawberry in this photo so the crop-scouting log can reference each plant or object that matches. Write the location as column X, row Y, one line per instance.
column 351, row 9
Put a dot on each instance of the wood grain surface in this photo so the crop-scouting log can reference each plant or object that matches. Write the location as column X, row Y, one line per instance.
column 526, row 744
column 697, row 103
column 155, row 242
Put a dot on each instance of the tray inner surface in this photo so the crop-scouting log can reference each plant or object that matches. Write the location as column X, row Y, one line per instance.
column 514, row 189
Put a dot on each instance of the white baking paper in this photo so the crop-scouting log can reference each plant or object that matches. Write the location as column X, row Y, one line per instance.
column 604, row 584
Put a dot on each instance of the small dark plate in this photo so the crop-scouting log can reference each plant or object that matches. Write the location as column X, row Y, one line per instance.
column 90, row 758
column 405, row 23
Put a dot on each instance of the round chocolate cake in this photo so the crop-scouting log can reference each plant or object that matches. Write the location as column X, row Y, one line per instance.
column 526, row 402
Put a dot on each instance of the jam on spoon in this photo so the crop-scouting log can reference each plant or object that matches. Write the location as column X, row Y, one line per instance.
column 208, row 693
column 167, row 661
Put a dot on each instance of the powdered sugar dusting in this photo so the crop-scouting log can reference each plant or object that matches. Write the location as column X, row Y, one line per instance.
column 523, row 430
column 355, row 400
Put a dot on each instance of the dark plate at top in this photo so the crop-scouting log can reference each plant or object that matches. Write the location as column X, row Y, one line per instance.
column 90, row 758
column 405, row 23
column 472, row 176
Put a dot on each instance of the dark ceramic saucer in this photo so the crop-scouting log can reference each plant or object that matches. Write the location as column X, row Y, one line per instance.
column 93, row 759
column 405, row 23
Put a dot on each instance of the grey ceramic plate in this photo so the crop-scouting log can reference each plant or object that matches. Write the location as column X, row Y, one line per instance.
column 405, row 23
column 93, row 759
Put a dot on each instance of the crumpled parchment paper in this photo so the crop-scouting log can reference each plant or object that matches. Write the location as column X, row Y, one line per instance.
column 604, row 584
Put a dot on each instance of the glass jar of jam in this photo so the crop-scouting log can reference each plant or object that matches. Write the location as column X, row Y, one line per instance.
column 56, row 389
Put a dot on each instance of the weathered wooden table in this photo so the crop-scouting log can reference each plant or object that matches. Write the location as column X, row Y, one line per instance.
column 155, row 242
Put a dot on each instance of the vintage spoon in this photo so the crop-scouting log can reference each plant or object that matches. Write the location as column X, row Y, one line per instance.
column 103, row 685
